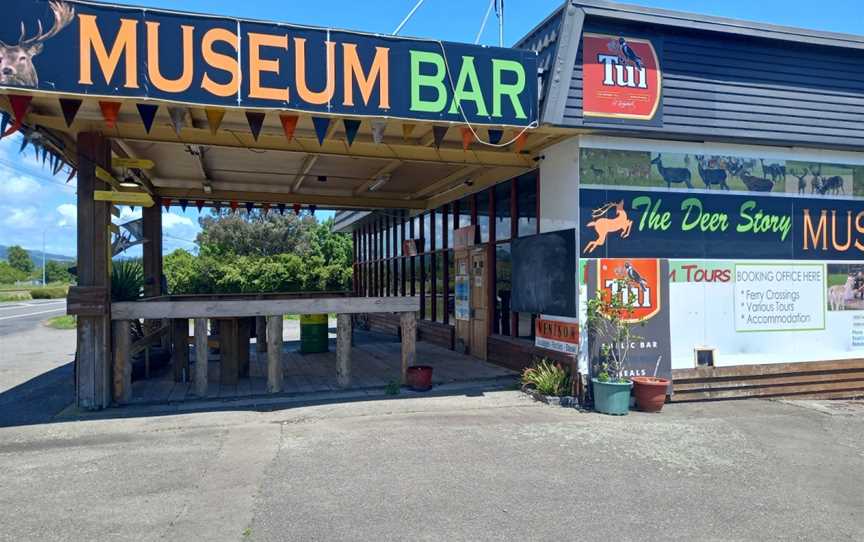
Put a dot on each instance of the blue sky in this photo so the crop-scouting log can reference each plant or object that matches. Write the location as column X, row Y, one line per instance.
column 32, row 202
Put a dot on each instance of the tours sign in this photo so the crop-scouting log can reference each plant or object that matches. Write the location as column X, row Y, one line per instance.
column 621, row 77
column 630, row 223
column 106, row 50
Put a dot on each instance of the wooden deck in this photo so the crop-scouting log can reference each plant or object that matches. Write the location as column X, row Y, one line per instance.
column 376, row 362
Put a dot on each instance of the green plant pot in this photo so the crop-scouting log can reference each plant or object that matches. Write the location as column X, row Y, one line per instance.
column 611, row 397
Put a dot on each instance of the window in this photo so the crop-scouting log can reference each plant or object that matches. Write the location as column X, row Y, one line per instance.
column 526, row 190
column 440, row 292
column 483, row 215
column 503, row 288
column 427, row 232
column 465, row 212
column 502, row 211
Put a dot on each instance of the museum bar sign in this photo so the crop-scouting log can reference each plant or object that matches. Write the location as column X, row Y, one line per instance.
column 661, row 224
column 107, row 50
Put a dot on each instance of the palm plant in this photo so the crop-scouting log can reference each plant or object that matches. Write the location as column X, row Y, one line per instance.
column 547, row 378
column 127, row 280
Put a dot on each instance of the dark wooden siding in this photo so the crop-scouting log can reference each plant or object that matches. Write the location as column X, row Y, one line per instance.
column 746, row 89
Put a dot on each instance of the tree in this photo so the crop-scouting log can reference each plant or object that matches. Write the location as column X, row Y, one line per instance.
column 57, row 271
column 20, row 259
column 10, row 275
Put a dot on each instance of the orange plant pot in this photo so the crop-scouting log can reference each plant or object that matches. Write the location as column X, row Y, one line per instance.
column 650, row 392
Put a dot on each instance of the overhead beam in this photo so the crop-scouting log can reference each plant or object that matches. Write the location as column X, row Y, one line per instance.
column 460, row 175
column 274, row 188
column 348, row 202
column 485, row 179
column 308, row 164
column 390, row 167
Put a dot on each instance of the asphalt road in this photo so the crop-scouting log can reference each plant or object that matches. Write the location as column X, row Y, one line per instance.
column 36, row 372
column 25, row 315
column 483, row 466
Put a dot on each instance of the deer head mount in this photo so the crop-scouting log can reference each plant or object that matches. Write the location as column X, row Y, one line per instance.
column 16, row 61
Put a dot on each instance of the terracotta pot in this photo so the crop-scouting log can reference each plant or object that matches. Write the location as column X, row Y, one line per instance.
column 419, row 377
column 650, row 392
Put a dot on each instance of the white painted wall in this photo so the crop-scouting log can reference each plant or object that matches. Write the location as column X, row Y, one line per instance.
column 559, row 187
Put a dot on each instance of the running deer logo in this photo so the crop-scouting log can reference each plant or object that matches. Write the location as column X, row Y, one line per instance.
column 16, row 61
column 604, row 225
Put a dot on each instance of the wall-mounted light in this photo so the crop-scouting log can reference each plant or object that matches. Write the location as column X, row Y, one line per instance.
column 129, row 182
column 382, row 180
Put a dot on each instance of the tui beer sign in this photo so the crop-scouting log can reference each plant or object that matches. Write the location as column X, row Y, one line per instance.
column 87, row 48
column 621, row 77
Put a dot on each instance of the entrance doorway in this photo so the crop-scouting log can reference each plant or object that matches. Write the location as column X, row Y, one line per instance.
column 472, row 327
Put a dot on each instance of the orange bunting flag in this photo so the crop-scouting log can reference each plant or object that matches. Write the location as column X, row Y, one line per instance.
column 519, row 146
column 265, row 208
column 110, row 112
column 289, row 124
column 407, row 130
column 214, row 118
column 467, row 137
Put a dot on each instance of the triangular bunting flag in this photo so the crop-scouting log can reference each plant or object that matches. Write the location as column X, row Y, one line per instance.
column 249, row 207
column 19, row 104
column 217, row 206
column 520, row 142
column 438, row 133
column 70, row 110
column 72, row 173
column 322, row 124
column 5, row 119
column 281, row 208
column 166, row 202
column 297, row 208
column 214, row 118
column 110, row 112
column 147, row 112
column 200, row 204
column 495, row 136
column 289, row 124
column 351, row 127
column 378, row 127
column 233, row 206
column 178, row 118
column 183, row 204
column 256, row 121
column 407, row 129
column 265, row 208
column 467, row 137
column 312, row 209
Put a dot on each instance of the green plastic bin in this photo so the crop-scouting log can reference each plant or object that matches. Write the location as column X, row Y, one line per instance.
column 313, row 333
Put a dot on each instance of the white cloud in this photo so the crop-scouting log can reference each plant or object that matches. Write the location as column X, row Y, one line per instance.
column 18, row 187
column 20, row 217
column 68, row 214
column 170, row 220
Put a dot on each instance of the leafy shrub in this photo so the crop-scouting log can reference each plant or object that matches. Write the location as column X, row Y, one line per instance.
column 48, row 293
column 14, row 296
column 547, row 378
column 10, row 275
column 127, row 280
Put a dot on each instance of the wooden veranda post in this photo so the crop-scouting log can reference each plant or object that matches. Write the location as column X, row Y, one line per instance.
column 152, row 248
column 408, row 322
column 343, row 350
column 93, row 359
column 201, row 357
column 122, row 362
column 274, row 354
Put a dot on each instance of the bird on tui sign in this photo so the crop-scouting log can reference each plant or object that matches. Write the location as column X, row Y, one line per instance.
column 629, row 53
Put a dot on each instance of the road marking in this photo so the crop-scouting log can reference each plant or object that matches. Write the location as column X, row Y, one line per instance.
column 19, row 305
column 30, row 314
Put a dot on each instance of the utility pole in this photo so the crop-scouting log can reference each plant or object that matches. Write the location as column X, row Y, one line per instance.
column 43, row 257
column 501, row 23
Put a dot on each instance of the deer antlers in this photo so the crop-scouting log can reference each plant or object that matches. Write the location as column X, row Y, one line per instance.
column 63, row 16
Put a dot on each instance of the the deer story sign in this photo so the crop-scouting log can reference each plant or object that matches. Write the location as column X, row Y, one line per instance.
column 86, row 48
column 675, row 224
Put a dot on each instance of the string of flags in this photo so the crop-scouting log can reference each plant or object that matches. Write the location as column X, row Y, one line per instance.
column 180, row 118
column 234, row 206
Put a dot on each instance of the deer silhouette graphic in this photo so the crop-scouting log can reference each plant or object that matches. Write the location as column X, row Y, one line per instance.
column 603, row 226
column 16, row 61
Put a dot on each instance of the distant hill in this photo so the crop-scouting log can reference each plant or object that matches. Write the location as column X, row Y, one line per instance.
column 36, row 256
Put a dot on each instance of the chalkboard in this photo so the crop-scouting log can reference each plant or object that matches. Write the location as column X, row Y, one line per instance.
column 544, row 273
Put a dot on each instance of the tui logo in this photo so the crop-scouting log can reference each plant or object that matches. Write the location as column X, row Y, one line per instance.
column 632, row 281
column 621, row 77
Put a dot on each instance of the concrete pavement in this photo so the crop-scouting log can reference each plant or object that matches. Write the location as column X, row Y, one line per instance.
column 486, row 466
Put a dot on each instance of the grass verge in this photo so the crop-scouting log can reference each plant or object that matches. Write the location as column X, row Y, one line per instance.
column 62, row 322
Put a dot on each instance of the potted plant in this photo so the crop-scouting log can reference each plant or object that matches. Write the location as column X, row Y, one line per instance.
column 650, row 392
column 548, row 382
column 609, row 322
